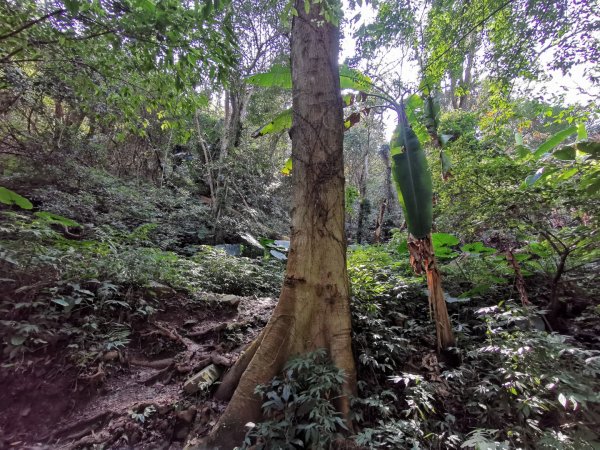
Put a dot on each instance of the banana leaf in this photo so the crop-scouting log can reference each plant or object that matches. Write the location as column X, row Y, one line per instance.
column 413, row 180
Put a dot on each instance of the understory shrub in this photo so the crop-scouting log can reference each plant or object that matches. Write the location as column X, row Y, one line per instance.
column 297, row 406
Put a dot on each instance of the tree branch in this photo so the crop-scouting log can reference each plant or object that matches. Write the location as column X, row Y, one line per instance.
column 32, row 23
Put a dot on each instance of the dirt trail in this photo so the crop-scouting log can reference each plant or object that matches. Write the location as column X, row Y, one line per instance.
column 134, row 398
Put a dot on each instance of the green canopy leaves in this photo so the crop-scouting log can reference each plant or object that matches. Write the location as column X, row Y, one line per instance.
column 281, row 76
column 277, row 76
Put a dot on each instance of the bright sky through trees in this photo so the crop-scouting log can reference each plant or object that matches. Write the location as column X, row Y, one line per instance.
column 574, row 87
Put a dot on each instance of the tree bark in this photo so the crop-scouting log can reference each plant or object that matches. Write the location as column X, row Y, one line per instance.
column 364, row 206
column 519, row 280
column 314, row 309
column 422, row 257
column 388, row 202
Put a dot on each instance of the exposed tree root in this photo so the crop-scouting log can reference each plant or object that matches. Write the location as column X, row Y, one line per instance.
column 158, row 364
column 174, row 335
column 213, row 329
column 232, row 377
column 162, row 375
column 96, row 379
column 81, row 428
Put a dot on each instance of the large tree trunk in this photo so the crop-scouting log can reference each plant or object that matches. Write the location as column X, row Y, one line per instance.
column 313, row 310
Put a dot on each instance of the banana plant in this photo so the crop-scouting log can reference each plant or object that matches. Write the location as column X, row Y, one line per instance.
column 414, row 186
column 409, row 169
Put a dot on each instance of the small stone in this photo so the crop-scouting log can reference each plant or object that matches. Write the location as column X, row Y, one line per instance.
column 163, row 409
column 203, row 379
column 110, row 356
column 232, row 300
column 160, row 289
column 187, row 415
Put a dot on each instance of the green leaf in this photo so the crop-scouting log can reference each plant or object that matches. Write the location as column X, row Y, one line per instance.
column 287, row 168
column 413, row 104
column 17, row 340
column 281, row 76
column 531, row 179
column 568, row 174
column 581, row 132
column 518, row 138
column 277, row 76
column 522, row 151
column 72, row 6
column 565, row 154
column 591, row 182
column 413, row 180
column 590, row 147
column 477, row 248
column 354, row 79
column 442, row 245
column 402, row 248
column 444, row 240
column 446, row 163
column 9, row 197
column 553, row 141
column 55, row 218
column 281, row 122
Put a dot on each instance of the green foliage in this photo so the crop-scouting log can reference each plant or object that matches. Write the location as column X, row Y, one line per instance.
column 52, row 218
column 215, row 271
column 373, row 271
column 281, row 76
column 298, row 406
column 413, row 180
column 351, row 195
column 511, row 385
column 10, row 198
column 88, row 291
column 283, row 121
column 553, row 141
column 110, row 62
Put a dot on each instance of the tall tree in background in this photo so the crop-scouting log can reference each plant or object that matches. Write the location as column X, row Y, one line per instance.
column 313, row 310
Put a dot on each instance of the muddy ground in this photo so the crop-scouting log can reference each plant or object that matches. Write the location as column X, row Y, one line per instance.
column 135, row 397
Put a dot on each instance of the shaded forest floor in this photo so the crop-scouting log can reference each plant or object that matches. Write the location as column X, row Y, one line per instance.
column 138, row 396
column 133, row 397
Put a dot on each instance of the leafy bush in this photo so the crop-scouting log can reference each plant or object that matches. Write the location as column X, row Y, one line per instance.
column 373, row 272
column 215, row 271
column 86, row 290
column 298, row 406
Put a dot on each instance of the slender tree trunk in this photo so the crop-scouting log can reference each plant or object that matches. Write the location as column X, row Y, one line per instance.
column 555, row 305
column 379, row 223
column 388, row 202
column 467, row 81
column 519, row 280
column 422, row 257
column 365, row 205
column 313, row 310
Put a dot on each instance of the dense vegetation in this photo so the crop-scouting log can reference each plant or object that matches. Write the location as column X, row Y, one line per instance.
column 145, row 194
